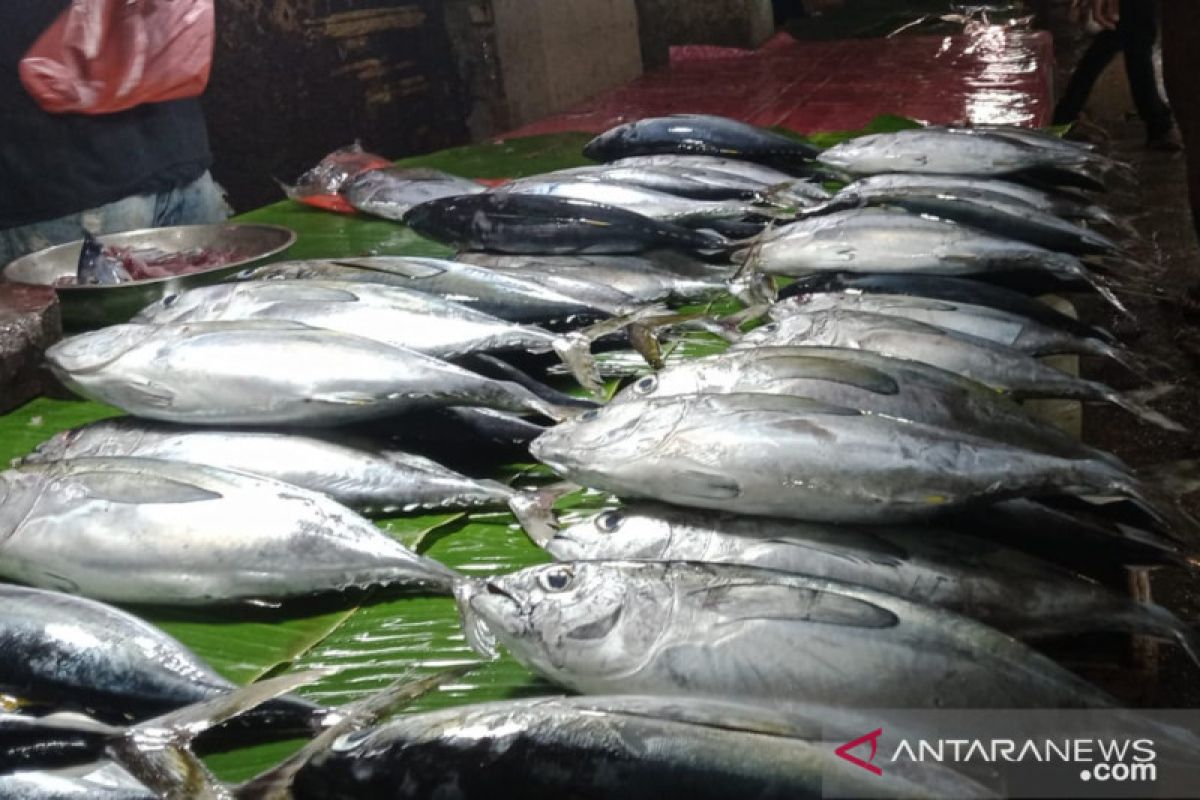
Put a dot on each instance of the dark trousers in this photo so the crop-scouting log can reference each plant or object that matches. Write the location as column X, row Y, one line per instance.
column 1135, row 36
column 1181, row 71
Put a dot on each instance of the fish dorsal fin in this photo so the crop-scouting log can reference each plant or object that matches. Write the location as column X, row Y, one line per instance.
column 749, row 600
column 142, row 487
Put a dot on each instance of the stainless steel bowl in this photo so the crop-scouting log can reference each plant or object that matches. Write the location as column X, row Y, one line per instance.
column 92, row 306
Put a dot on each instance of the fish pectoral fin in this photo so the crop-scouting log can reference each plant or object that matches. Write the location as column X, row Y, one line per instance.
column 291, row 292
column 706, row 485
column 151, row 394
column 345, row 398
column 759, row 601
column 145, row 487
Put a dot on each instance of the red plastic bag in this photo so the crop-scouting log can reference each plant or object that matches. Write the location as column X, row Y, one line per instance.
column 103, row 56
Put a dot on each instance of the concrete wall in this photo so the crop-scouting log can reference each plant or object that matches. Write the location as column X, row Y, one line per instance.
column 554, row 53
column 732, row 23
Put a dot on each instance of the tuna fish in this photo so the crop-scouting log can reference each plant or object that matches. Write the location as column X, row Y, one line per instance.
column 168, row 532
column 792, row 457
column 390, row 192
column 948, row 568
column 267, row 372
column 669, row 628
column 699, row 134
column 1003, row 368
column 524, row 224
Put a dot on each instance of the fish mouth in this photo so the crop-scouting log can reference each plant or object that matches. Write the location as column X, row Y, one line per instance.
column 484, row 607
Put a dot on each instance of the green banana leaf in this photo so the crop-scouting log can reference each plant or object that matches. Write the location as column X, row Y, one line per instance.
column 373, row 638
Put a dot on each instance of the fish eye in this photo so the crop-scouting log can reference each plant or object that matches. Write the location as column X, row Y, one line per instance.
column 555, row 580
column 590, row 414
column 770, row 327
column 646, row 385
column 170, row 300
column 609, row 521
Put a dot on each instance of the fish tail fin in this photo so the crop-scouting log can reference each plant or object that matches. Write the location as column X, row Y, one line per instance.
column 1171, row 627
column 575, row 350
column 535, row 511
column 1161, row 503
column 1098, row 213
column 639, row 324
column 1177, row 477
column 1140, row 410
column 1075, row 268
column 276, row 783
column 1139, row 365
column 158, row 753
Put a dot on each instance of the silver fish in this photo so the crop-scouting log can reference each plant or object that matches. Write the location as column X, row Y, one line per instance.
column 268, row 372
column 982, row 322
column 96, row 267
column 648, row 202
column 103, row 780
column 111, row 663
column 402, row 318
column 776, row 455
column 685, row 179
column 1034, row 198
column 867, row 382
column 892, row 241
column 145, row 522
column 354, row 473
column 940, row 151
column 639, row 280
column 392, row 191
column 1003, row 368
column 995, row 584
column 602, row 747
column 669, row 628
column 508, row 296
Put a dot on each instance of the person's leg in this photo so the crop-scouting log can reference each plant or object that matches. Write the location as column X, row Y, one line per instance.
column 128, row 214
column 1138, row 31
column 201, row 202
column 1181, row 72
column 1100, row 53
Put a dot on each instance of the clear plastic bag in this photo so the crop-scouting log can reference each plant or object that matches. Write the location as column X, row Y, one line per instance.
column 104, row 56
column 321, row 186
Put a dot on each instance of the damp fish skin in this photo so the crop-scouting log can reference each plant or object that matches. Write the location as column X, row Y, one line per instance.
column 595, row 748
column 501, row 222
column 776, row 455
column 648, row 628
column 994, row 584
column 699, row 134
column 263, row 540
column 352, row 471
column 390, row 192
column 112, row 665
column 268, row 372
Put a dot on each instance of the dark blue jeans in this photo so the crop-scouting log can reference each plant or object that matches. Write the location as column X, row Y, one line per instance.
column 200, row 202
column 1135, row 36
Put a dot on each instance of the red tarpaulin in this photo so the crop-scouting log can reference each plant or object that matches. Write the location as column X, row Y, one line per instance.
column 993, row 75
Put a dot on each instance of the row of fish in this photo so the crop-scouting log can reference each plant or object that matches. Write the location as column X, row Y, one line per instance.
column 845, row 510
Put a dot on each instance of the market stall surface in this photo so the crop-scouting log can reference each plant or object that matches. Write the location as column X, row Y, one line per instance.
column 991, row 74
column 376, row 637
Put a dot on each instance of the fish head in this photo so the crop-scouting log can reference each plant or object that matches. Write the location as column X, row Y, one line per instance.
column 575, row 621
column 94, row 350
column 613, row 143
column 613, row 534
column 441, row 218
column 207, row 302
column 621, row 431
column 772, row 333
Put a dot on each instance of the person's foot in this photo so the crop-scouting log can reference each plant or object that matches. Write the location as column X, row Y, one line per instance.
column 1166, row 142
